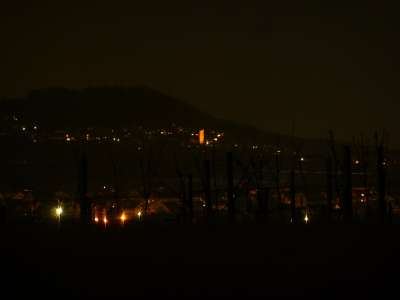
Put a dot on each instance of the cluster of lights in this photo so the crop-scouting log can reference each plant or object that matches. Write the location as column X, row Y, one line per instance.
column 362, row 198
column 123, row 218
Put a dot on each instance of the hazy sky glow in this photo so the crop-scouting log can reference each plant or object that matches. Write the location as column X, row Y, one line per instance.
column 327, row 66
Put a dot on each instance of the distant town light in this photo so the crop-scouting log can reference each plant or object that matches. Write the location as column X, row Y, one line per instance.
column 35, row 127
column 23, row 128
column 301, row 158
column 59, row 211
column 306, row 219
column 123, row 217
column 215, row 139
column 357, row 162
column 105, row 221
column 96, row 219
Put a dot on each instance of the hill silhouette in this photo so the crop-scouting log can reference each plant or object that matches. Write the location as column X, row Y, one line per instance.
column 127, row 107
column 103, row 107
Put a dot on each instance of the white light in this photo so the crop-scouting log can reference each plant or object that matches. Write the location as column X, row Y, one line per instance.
column 302, row 159
column 96, row 219
column 306, row 219
column 59, row 211
column 23, row 128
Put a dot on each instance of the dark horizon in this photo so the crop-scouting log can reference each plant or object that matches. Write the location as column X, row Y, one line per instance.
column 324, row 66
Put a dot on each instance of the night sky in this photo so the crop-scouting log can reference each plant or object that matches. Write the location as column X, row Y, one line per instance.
column 263, row 63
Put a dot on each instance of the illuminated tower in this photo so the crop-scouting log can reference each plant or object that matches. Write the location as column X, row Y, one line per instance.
column 201, row 136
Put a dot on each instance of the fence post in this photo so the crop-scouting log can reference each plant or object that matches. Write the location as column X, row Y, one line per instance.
column 207, row 188
column 85, row 205
column 381, row 184
column 347, row 192
column 231, row 201
column 329, row 190
column 190, row 197
column 292, row 197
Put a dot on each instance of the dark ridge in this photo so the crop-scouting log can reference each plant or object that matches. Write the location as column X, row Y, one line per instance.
column 126, row 107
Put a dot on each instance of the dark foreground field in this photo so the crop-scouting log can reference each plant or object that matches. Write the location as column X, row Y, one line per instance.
column 169, row 262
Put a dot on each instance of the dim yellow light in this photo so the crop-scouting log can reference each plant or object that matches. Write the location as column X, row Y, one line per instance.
column 59, row 211
column 96, row 219
column 123, row 217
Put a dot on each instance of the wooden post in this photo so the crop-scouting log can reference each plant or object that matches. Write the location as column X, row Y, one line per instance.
column 329, row 190
column 85, row 205
column 190, row 197
column 277, row 184
column 207, row 188
column 381, row 184
column 347, row 192
column 292, row 197
column 229, row 171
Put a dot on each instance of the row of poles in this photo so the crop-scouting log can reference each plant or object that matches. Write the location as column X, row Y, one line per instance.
column 262, row 194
